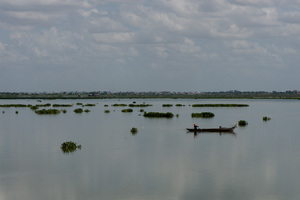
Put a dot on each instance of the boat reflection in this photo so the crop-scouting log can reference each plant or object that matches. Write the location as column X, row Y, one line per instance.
column 195, row 133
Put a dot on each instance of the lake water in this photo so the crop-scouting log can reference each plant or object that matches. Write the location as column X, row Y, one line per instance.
column 162, row 161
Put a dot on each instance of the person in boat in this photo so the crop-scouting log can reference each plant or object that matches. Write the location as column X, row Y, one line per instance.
column 195, row 126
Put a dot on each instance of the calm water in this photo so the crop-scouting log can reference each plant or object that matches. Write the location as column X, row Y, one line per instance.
column 162, row 161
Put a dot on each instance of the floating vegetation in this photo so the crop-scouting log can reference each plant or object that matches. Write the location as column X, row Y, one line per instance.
column 141, row 110
column 158, row 114
column 127, row 110
column 44, row 105
column 107, row 111
column 220, row 105
column 265, row 118
column 134, row 130
column 243, row 123
column 139, row 105
column 105, row 105
column 13, row 105
column 179, row 105
column 34, row 107
column 79, row 104
column 89, row 104
column 167, row 105
column 78, row 110
column 177, row 115
column 119, row 105
column 17, row 112
column 87, row 110
column 64, row 111
column 68, row 147
column 203, row 115
column 62, row 105
column 46, row 112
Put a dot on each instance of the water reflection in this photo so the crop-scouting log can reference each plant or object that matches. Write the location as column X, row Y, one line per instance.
column 195, row 133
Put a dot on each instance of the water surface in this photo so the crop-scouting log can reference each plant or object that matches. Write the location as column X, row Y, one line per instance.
column 162, row 161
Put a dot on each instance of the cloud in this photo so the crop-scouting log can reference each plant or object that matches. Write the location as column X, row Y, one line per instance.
column 98, row 37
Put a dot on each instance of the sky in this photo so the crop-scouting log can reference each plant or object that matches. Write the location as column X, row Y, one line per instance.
column 149, row 45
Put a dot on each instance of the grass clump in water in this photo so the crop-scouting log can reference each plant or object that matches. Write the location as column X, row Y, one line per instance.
column 68, row 147
column 203, row 115
column 243, row 123
column 47, row 112
column 134, row 130
column 127, row 110
column 78, row 110
column 158, row 114
column 265, row 118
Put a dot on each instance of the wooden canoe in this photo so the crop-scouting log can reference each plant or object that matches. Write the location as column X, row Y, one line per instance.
column 220, row 129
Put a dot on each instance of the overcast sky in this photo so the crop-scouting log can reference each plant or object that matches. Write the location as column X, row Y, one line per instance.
column 149, row 45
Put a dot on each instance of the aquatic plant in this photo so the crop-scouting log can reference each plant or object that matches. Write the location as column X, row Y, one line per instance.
column 119, row 105
column 167, row 105
column 107, row 111
column 179, row 105
column 89, row 104
column 105, row 105
column 127, row 110
column 68, row 147
column 17, row 112
column 87, row 110
column 265, row 118
column 64, row 111
column 78, row 110
column 49, row 111
column 203, row 115
column 243, row 123
column 134, row 130
column 139, row 105
column 79, row 104
column 62, row 105
column 158, row 114
column 13, row 105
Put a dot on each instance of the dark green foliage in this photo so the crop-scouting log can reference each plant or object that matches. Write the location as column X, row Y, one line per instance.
column 139, row 105
column 119, row 105
column 79, row 104
column 62, row 105
column 78, row 110
column 14, row 105
column 34, row 107
column 105, row 105
column 220, row 105
column 158, row 114
column 44, row 105
column 141, row 110
column 68, row 147
column 17, row 112
column 265, row 118
column 179, row 105
column 127, row 110
column 167, row 105
column 243, row 123
column 89, row 104
column 64, row 111
column 203, row 115
column 107, row 111
column 134, row 130
column 87, row 110
column 45, row 112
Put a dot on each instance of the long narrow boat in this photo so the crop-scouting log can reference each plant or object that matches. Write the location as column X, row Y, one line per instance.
column 220, row 129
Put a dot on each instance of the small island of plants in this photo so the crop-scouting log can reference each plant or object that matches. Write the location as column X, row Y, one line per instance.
column 243, row 123
column 158, row 114
column 265, row 118
column 203, row 115
column 46, row 112
column 68, row 147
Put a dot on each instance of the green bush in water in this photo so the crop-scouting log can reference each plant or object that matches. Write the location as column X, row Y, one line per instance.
column 243, row 123
column 68, row 147
column 158, row 114
column 203, row 115
column 265, row 118
column 134, row 130
column 78, row 110
column 46, row 112
column 127, row 110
